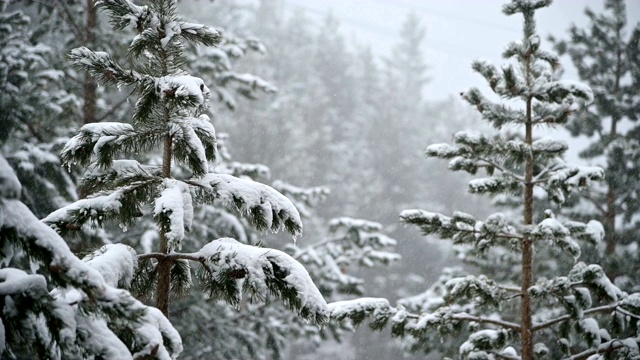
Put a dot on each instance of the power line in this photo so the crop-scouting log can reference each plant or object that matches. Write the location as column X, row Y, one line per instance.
column 433, row 44
column 453, row 16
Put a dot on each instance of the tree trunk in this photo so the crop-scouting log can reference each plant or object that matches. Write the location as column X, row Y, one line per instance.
column 610, row 219
column 164, row 265
column 89, row 85
column 526, row 334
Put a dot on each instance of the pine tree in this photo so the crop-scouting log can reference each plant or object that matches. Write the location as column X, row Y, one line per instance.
column 606, row 58
column 557, row 316
column 53, row 305
column 29, row 98
column 169, row 115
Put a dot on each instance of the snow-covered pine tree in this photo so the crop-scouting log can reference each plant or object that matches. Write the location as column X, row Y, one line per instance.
column 29, row 97
column 169, row 115
column 556, row 316
column 54, row 305
column 607, row 57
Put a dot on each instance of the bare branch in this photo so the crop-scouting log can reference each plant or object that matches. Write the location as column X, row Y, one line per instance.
column 77, row 31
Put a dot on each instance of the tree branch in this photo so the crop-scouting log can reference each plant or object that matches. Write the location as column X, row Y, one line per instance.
column 502, row 169
column 501, row 323
column 74, row 26
column 603, row 348
column 112, row 110
column 552, row 322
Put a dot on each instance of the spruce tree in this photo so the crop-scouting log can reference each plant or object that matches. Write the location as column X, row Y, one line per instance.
column 30, row 96
column 169, row 116
column 607, row 57
column 557, row 314
column 56, row 306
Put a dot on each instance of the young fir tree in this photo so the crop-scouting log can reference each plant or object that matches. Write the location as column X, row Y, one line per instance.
column 169, row 115
column 54, row 306
column 557, row 316
column 607, row 59
column 30, row 96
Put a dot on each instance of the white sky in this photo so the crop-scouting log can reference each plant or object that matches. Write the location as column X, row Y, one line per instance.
column 458, row 31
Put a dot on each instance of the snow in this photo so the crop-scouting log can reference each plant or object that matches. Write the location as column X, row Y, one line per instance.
column 15, row 281
column 10, row 187
column 83, row 275
column 116, row 263
column 570, row 86
column 591, row 329
column 348, row 222
column 441, row 150
column 102, row 203
column 183, row 86
column 258, row 264
column 250, row 80
column 549, row 145
column 107, row 129
column 155, row 329
column 248, row 194
column 481, row 340
column 341, row 309
column 181, row 130
column 595, row 230
column 147, row 239
column 170, row 30
column 175, row 202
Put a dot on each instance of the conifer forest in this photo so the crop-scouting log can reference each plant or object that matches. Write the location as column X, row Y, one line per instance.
column 264, row 179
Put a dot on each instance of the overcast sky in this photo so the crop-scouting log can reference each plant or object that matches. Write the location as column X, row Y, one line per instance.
column 458, row 31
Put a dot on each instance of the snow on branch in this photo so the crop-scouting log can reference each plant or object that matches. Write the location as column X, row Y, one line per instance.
column 116, row 263
column 233, row 266
column 174, row 211
column 462, row 228
column 188, row 146
column 119, row 173
column 23, row 230
column 350, row 242
column 104, row 69
column 564, row 91
column 122, row 204
column 264, row 207
column 188, row 91
column 565, row 178
column 302, row 198
column 251, row 81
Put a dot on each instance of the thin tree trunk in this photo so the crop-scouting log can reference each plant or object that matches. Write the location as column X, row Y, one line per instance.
column 89, row 85
column 526, row 334
column 610, row 219
column 164, row 265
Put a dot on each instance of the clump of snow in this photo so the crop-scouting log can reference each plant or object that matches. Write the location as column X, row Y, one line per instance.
column 102, row 203
column 10, row 187
column 183, row 86
column 259, row 265
column 549, row 145
column 116, row 263
column 342, row 309
column 248, row 195
column 175, row 202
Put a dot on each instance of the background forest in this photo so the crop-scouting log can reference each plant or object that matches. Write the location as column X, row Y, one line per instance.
column 336, row 128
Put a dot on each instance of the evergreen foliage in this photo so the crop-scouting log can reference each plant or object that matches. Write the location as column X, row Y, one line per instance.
column 169, row 114
column 612, row 122
column 530, row 315
column 31, row 96
column 54, row 305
